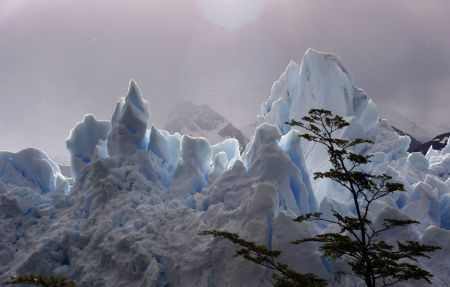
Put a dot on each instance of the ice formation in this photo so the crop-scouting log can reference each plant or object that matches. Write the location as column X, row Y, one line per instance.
column 129, row 124
column 141, row 195
column 87, row 142
column 31, row 168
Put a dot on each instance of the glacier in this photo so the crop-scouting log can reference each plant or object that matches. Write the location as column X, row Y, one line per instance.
column 139, row 196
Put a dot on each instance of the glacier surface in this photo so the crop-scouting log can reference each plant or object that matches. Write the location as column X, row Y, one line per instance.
column 132, row 213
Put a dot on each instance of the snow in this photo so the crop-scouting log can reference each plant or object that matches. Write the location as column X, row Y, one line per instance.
column 141, row 195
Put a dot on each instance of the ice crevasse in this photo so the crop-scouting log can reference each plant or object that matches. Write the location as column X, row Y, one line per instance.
column 132, row 214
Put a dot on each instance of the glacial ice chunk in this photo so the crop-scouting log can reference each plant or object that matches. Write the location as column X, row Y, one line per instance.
column 321, row 81
column 31, row 168
column 231, row 148
column 166, row 147
column 424, row 205
column 265, row 135
column 194, row 167
column 129, row 124
column 445, row 211
column 86, row 142
column 219, row 166
column 268, row 162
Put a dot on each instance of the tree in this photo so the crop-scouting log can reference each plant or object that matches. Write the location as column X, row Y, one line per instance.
column 356, row 239
column 284, row 276
column 40, row 281
column 376, row 262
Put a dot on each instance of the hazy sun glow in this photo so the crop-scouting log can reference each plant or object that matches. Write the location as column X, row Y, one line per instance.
column 231, row 14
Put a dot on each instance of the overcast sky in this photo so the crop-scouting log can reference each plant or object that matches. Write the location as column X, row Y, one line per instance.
column 61, row 59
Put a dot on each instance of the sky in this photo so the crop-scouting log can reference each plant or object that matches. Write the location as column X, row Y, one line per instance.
column 61, row 59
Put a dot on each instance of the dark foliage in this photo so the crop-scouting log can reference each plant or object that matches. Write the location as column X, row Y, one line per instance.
column 356, row 239
column 284, row 276
column 40, row 281
column 376, row 262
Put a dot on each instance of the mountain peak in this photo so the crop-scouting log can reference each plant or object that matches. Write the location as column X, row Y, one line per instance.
column 202, row 121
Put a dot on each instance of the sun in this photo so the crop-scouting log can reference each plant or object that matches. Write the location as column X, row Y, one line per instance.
column 231, row 14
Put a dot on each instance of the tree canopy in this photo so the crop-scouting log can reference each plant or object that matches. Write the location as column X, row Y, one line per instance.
column 355, row 239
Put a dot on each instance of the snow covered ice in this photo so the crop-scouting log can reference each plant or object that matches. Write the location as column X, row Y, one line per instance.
column 132, row 214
